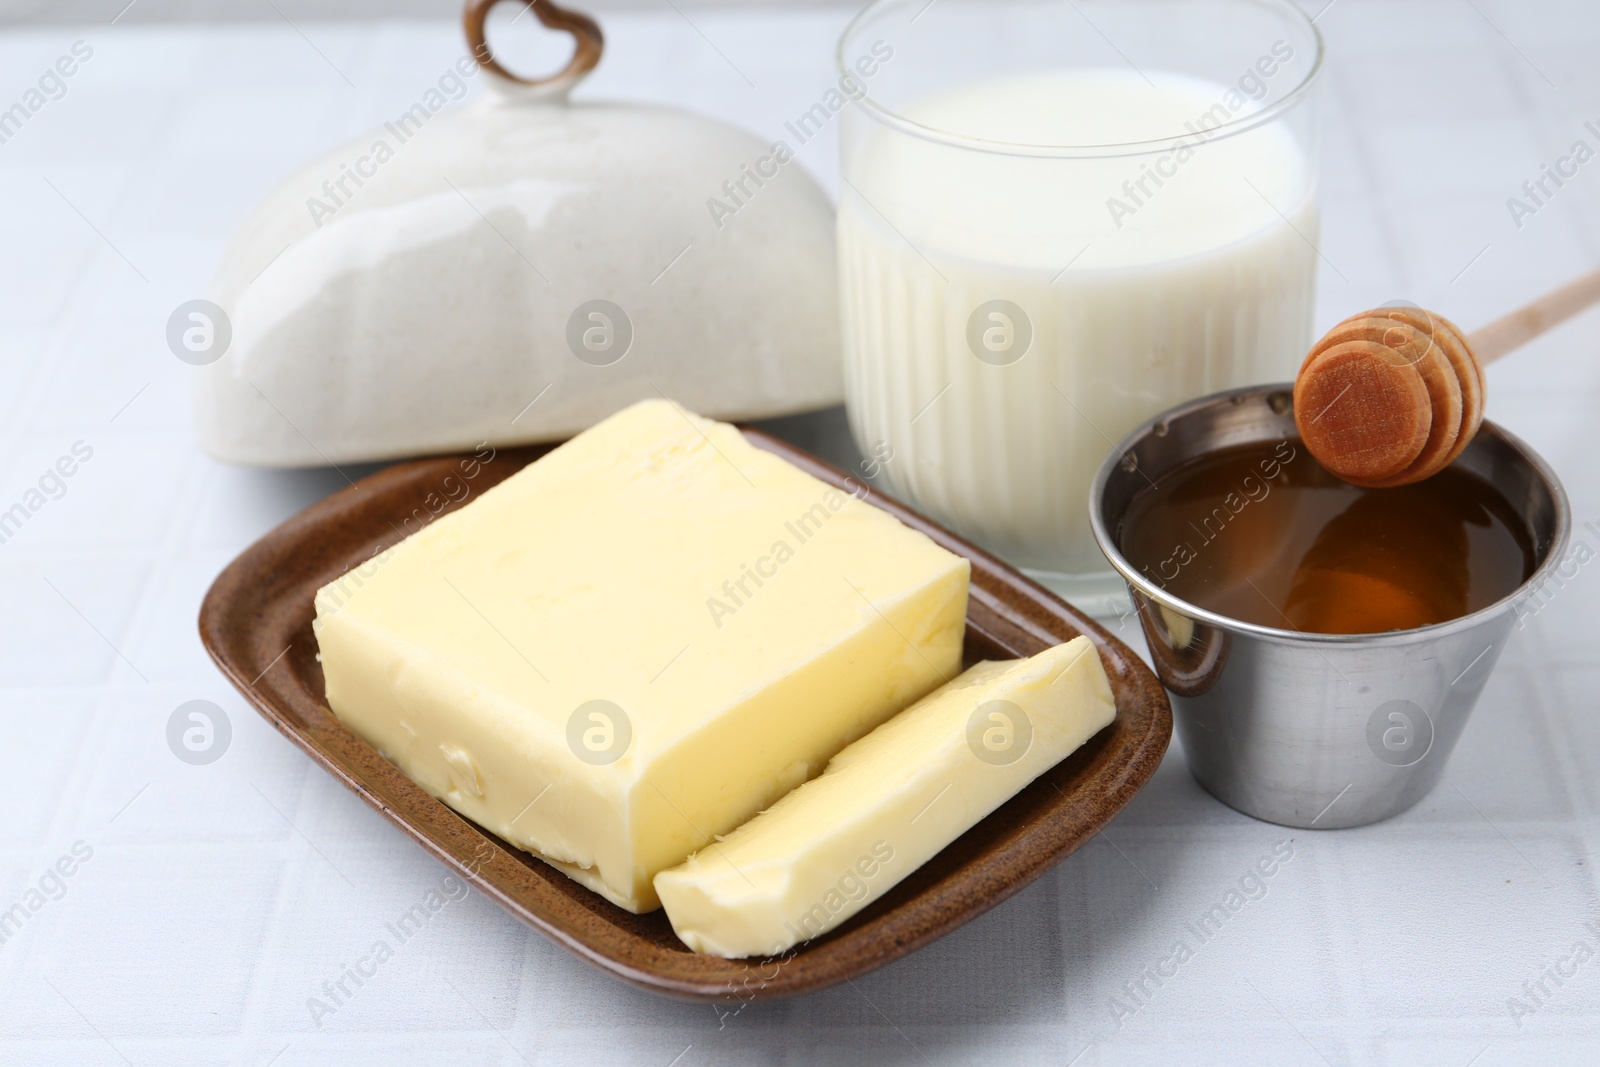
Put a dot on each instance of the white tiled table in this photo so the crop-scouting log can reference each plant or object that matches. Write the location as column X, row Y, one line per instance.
column 217, row 899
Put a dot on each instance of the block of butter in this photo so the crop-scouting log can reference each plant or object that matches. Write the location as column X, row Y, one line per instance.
column 886, row 804
column 638, row 642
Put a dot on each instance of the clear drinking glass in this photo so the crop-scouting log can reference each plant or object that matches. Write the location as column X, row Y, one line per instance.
column 1056, row 220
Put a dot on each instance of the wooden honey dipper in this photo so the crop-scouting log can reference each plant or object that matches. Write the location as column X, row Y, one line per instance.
column 1392, row 395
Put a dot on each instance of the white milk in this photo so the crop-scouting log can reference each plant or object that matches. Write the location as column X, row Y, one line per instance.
column 1199, row 283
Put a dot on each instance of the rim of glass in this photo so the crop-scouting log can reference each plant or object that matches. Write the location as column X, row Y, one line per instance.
column 1126, row 148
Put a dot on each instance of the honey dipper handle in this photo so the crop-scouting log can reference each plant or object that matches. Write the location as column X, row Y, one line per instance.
column 1521, row 326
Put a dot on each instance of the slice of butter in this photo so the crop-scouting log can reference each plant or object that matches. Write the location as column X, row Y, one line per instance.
column 637, row 643
column 886, row 804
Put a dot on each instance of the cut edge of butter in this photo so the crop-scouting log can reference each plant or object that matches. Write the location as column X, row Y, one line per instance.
column 887, row 804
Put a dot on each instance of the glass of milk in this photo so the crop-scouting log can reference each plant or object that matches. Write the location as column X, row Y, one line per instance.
column 1056, row 220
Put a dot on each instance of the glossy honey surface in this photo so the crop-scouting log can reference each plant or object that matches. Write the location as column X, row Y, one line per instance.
column 1262, row 533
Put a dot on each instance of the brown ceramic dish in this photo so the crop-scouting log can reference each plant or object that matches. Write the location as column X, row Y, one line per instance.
column 262, row 604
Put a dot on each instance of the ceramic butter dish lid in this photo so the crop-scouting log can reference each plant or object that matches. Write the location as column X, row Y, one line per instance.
column 515, row 270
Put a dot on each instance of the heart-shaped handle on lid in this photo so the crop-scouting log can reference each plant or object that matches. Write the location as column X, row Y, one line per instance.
column 585, row 31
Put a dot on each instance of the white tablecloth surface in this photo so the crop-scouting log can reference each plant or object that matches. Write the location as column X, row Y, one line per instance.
column 216, row 900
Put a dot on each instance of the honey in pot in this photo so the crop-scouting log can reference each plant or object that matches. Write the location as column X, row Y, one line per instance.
column 1263, row 534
